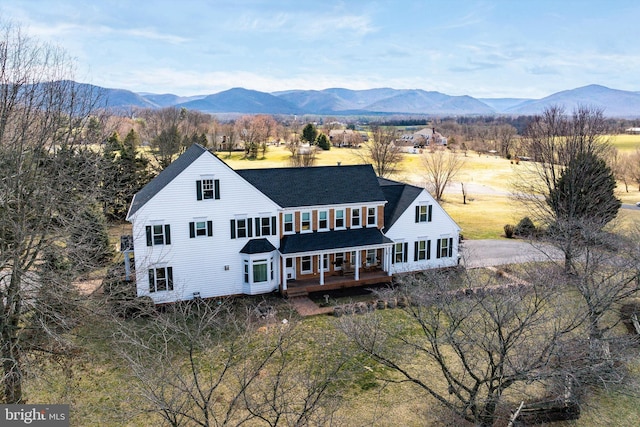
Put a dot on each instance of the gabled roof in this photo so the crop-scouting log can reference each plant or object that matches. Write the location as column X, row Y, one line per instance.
column 399, row 197
column 315, row 186
column 257, row 246
column 341, row 239
column 165, row 177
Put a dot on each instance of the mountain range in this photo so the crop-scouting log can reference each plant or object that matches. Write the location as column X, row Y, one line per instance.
column 381, row 101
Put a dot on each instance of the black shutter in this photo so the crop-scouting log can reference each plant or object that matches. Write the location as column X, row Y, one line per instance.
column 417, row 213
column 250, row 227
column 192, row 229
column 216, row 184
column 233, row 228
column 273, row 225
column 415, row 251
column 209, row 228
column 450, row 246
column 167, row 234
column 152, row 285
column 199, row 190
column 406, row 252
column 258, row 228
column 438, row 249
column 430, row 212
column 149, row 236
column 170, row 278
column 393, row 254
column 428, row 243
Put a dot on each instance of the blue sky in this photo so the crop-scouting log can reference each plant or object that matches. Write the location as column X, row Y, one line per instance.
column 481, row 48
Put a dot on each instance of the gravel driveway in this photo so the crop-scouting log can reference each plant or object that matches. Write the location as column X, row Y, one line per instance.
column 485, row 253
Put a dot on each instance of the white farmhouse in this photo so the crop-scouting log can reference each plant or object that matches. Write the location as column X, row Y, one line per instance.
column 202, row 229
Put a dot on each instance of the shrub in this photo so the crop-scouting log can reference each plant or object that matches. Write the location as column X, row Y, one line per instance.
column 508, row 230
column 525, row 227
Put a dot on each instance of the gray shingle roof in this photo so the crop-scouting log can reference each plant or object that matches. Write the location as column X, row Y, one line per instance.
column 257, row 246
column 313, row 186
column 296, row 243
column 399, row 197
column 165, row 177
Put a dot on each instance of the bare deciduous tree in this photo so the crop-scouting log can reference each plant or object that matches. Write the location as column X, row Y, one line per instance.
column 466, row 348
column 440, row 168
column 212, row 364
column 47, row 184
column 382, row 152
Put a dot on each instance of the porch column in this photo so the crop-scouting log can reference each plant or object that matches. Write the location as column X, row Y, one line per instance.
column 284, row 273
column 357, row 266
column 321, row 268
column 388, row 254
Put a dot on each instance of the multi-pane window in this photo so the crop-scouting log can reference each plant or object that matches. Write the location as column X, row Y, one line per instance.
column 208, row 189
column 422, row 250
column 355, row 217
column 339, row 217
column 445, row 247
column 158, row 234
column 323, row 220
column 246, row 271
column 200, row 229
column 160, row 279
column 241, row 228
column 372, row 217
column 371, row 256
column 423, row 213
column 339, row 260
column 400, row 252
column 306, row 264
column 265, row 226
column 325, row 262
column 288, row 223
column 305, row 221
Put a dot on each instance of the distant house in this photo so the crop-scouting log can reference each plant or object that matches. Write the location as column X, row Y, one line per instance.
column 634, row 131
column 423, row 138
column 347, row 138
column 202, row 229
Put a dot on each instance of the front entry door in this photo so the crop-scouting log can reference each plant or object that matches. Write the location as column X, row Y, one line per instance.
column 290, row 269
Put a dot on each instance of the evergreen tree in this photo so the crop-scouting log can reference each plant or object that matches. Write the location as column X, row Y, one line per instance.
column 323, row 142
column 309, row 133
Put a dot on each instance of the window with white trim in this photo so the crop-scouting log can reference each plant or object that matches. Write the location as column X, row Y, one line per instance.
column 400, row 252
column 323, row 220
column 355, row 218
column 423, row 213
column 305, row 265
column 200, row 229
column 445, row 247
column 241, row 228
column 158, row 234
column 325, row 262
column 339, row 219
column 265, row 226
column 422, row 250
column 372, row 217
column 160, row 279
column 208, row 188
column 338, row 260
column 305, row 222
column 260, row 270
column 288, row 223
column 371, row 257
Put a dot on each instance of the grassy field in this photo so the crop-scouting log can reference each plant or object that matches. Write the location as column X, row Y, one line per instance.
column 488, row 180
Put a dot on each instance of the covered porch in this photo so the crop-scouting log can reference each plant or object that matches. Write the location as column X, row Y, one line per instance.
column 334, row 260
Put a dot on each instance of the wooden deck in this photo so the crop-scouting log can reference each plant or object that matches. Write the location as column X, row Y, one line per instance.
column 302, row 287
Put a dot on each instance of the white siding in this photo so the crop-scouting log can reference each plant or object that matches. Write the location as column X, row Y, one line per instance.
column 199, row 264
column 406, row 229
